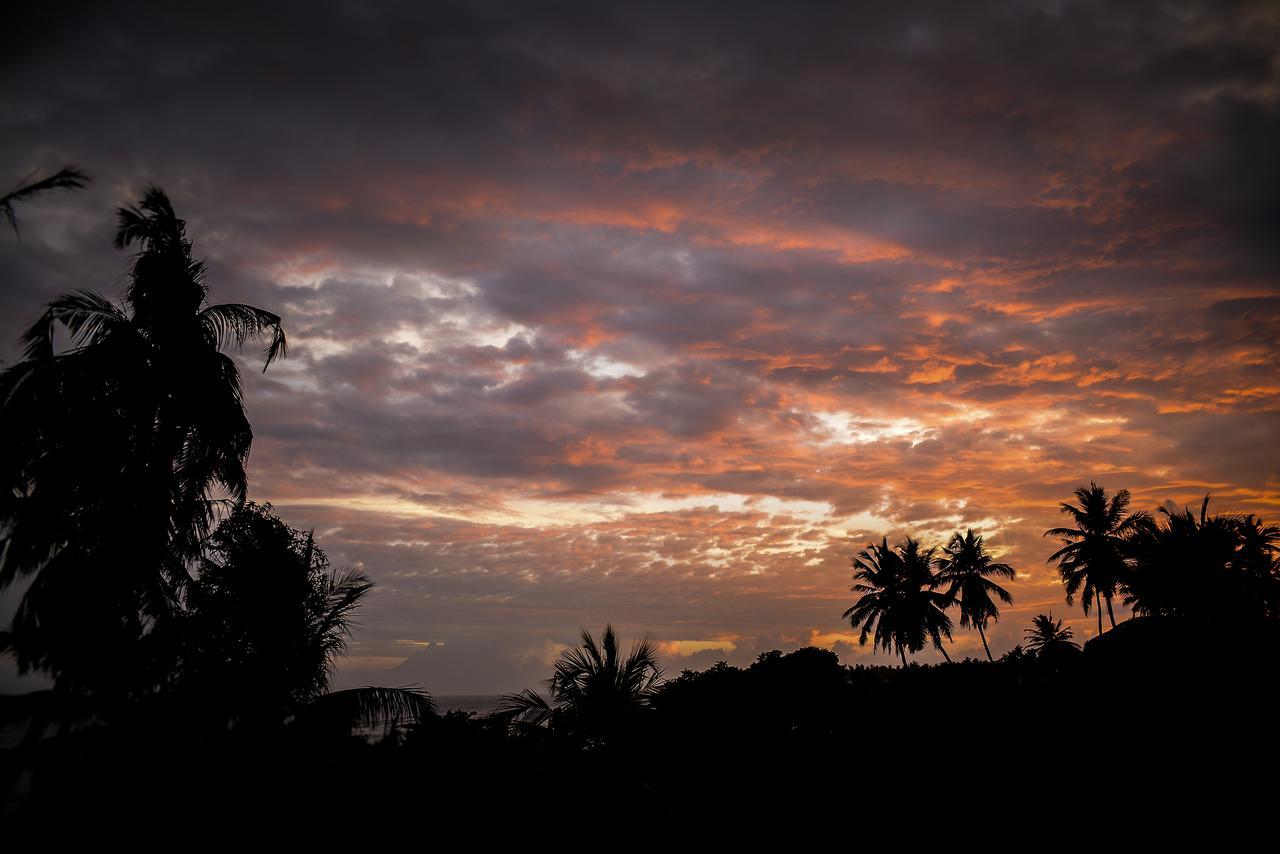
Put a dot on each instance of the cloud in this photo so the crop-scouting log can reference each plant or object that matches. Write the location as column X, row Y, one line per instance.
column 657, row 314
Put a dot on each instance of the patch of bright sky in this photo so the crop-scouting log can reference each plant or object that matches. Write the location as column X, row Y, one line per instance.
column 841, row 427
column 603, row 367
column 840, row 528
column 453, row 326
column 811, row 511
column 544, row 513
column 931, row 531
column 686, row 648
column 459, row 329
column 846, row 428
column 310, row 273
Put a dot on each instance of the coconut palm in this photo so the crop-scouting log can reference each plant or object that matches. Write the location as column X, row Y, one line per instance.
column 964, row 567
column 1092, row 559
column 1048, row 639
column 114, row 454
column 876, row 580
column 898, row 603
column 593, row 690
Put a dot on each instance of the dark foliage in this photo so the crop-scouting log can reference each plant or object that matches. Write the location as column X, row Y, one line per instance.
column 1092, row 558
column 265, row 620
column 899, row 604
column 1215, row 572
column 965, row 568
column 114, row 455
column 595, row 692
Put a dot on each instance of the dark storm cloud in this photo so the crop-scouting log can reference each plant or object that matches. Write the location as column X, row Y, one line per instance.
column 563, row 278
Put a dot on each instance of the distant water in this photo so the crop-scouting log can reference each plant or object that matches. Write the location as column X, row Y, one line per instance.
column 481, row 704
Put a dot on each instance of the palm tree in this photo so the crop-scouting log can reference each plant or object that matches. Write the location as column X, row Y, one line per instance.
column 876, row 580
column 1215, row 570
column 1092, row 559
column 926, row 605
column 965, row 566
column 115, row 454
column 265, row 621
column 67, row 178
column 1257, row 559
column 593, row 690
column 898, row 603
column 1048, row 639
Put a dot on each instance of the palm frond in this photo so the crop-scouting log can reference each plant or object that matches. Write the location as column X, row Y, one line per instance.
column 346, row 589
column 368, row 708
column 67, row 178
column 526, row 707
column 234, row 323
column 86, row 315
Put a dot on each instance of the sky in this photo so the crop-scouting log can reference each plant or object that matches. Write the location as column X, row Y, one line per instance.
column 657, row 313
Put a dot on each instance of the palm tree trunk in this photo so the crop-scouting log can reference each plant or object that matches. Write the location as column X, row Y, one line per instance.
column 1097, row 604
column 983, row 635
column 1111, row 614
column 942, row 649
column 903, row 654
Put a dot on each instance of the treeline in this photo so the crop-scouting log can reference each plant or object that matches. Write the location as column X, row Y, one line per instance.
column 1220, row 574
column 1214, row 571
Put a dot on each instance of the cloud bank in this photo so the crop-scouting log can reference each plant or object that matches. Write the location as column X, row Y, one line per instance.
column 656, row 314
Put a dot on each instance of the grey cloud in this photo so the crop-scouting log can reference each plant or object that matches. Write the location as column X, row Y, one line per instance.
column 760, row 215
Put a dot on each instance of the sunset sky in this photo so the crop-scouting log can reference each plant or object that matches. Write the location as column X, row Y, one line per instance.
column 658, row 314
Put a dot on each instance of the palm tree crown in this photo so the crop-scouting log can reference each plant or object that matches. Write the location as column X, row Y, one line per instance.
column 1047, row 638
column 1214, row 570
column 594, row 688
column 964, row 567
column 116, row 450
column 1092, row 559
column 898, row 603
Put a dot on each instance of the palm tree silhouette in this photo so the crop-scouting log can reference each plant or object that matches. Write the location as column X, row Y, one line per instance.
column 594, row 688
column 1214, row 570
column 964, row 566
column 898, row 603
column 116, row 452
column 1092, row 559
column 1258, row 560
column 265, row 622
column 1048, row 639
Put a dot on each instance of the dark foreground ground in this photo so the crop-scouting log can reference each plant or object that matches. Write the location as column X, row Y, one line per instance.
column 1147, row 734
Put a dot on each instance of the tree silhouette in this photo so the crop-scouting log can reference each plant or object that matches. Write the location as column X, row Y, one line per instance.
column 964, row 567
column 266, row 620
column 1048, row 639
column 1092, row 559
column 593, row 690
column 898, row 603
column 1257, row 559
column 114, row 454
column 1213, row 570
column 67, row 178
